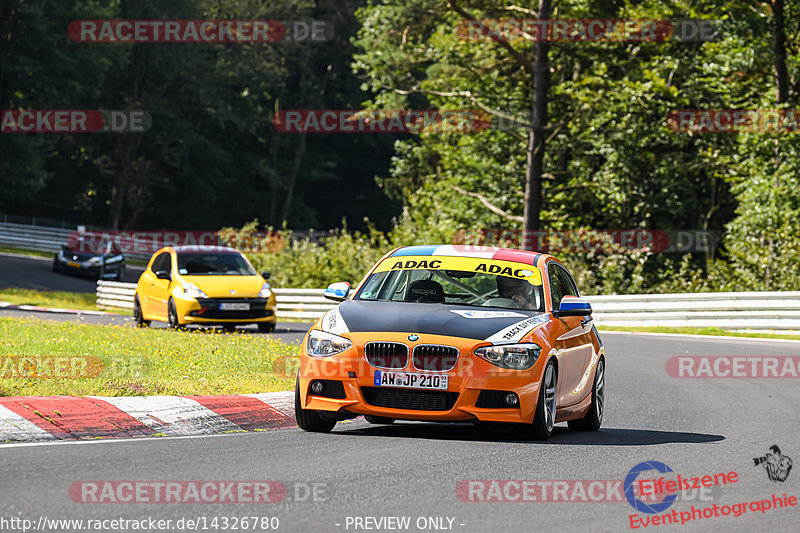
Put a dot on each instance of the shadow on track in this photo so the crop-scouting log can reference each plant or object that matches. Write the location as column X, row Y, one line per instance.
column 560, row 436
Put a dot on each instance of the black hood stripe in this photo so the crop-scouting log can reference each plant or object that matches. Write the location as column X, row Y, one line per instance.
column 425, row 318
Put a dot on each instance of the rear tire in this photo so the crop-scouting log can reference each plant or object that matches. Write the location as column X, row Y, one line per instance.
column 138, row 318
column 379, row 419
column 309, row 420
column 593, row 418
column 543, row 421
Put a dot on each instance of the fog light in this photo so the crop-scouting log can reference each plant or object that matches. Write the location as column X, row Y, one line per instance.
column 511, row 399
column 316, row 387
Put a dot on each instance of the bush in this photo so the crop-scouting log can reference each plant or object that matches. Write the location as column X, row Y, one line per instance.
column 302, row 263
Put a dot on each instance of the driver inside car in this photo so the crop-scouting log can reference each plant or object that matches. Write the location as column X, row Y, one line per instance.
column 515, row 289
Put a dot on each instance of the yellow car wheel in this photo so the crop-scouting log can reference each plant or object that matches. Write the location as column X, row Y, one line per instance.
column 172, row 316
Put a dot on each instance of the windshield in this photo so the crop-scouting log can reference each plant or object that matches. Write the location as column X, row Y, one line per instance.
column 470, row 281
column 213, row 264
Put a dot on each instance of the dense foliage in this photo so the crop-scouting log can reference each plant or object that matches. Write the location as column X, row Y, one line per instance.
column 611, row 160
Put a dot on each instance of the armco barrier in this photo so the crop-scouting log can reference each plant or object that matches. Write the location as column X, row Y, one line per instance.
column 726, row 310
column 41, row 238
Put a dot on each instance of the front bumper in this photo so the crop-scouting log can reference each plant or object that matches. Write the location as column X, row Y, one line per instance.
column 93, row 270
column 460, row 402
column 208, row 311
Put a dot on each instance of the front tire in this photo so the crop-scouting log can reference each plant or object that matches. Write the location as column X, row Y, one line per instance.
column 309, row 420
column 138, row 317
column 545, row 418
column 266, row 327
column 593, row 418
column 172, row 316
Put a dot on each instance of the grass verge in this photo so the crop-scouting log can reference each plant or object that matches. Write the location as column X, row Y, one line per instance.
column 50, row 358
column 702, row 331
column 22, row 251
column 85, row 301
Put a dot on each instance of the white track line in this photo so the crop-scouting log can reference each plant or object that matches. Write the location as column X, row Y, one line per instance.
column 706, row 337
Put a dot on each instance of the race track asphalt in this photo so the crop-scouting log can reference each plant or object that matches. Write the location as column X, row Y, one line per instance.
column 37, row 273
column 696, row 426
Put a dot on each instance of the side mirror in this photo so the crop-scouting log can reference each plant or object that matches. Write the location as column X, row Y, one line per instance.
column 337, row 291
column 266, row 275
column 573, row 306
column 163, row 274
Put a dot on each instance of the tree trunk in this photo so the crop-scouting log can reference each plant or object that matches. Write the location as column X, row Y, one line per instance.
column 781, row 72
column 536, row 135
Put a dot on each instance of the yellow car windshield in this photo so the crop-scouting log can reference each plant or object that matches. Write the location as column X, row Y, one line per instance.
column 213, row 264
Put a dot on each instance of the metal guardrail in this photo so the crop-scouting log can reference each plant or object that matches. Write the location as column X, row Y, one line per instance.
column 41, row 238
column 758, row 311
column 49, row 238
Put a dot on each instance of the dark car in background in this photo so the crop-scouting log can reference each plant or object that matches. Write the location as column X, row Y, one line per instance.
column 77, row 256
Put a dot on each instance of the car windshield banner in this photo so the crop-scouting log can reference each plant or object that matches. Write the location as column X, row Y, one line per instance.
column 464, row 264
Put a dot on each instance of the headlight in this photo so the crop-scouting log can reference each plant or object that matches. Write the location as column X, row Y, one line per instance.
column 193, row 291
column 93, row 260
column 514, row 356
column 61, row 254
column 265, row 291
column 321, row 344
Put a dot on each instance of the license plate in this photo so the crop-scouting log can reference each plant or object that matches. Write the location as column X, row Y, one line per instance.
column 410, row 380
column 230, row 306
column 73, row 264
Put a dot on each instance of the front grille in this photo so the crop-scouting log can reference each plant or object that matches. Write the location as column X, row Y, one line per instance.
column 434, row 357
column 415, row 400
column 386, row 354
column 210, row 308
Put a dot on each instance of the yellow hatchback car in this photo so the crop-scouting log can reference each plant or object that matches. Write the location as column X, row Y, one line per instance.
column 204, row 285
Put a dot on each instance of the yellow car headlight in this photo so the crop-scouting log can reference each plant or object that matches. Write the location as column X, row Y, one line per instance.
column 193, row 291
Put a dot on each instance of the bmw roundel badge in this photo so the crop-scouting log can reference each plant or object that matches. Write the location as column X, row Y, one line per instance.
column 413, row 337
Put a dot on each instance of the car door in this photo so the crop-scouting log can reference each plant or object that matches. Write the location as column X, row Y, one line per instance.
column 155, row 292
column 572, row 340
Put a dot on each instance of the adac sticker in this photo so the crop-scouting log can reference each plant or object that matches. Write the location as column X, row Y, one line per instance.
column 464, row 264
column 488, row 314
